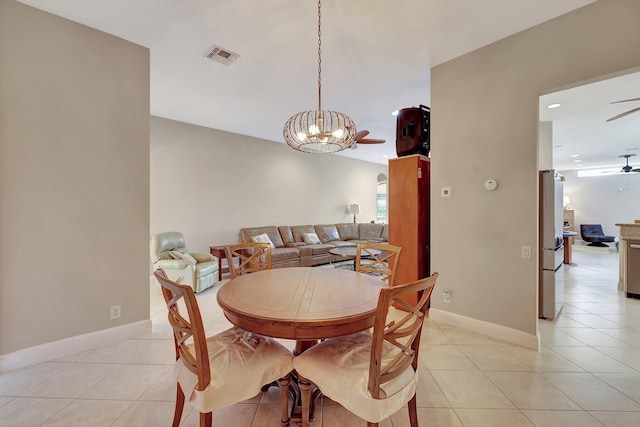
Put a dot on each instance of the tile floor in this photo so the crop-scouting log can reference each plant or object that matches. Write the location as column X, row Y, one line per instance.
column 586, row 374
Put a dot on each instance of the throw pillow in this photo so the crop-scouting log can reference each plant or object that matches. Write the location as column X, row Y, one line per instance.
column 311, row 238
column 263, row 238
column 185, row 257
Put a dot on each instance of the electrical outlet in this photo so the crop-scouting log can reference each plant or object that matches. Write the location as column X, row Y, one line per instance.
column 526, row 251
column 115, row 312
column 446, row 296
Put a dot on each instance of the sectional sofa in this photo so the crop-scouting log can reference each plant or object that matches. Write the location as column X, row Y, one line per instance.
column 309, row 245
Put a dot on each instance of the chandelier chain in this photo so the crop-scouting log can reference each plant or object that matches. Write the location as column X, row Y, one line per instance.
column 319, row 59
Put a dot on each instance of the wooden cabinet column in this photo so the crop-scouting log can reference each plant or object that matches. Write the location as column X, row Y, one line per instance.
column 409, row 215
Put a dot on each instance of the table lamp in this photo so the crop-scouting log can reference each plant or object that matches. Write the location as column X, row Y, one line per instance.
column 354, row 209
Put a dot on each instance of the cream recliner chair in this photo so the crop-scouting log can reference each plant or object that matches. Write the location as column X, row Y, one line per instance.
column 169, row 252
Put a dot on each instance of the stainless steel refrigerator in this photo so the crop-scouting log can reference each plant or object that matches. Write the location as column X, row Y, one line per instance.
column 551, row 248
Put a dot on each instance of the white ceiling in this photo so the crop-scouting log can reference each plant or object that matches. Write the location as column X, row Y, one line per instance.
column 582, row 137
column 376, row 55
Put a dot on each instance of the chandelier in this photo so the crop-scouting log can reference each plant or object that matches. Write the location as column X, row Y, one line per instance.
column 319, row 131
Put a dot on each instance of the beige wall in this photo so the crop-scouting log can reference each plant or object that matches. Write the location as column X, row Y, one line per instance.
column 605, row 200
column 74, row 178
column 208, row 184
column 484, row 125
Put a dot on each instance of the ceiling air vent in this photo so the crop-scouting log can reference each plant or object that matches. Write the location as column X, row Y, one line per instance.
column 221, row 55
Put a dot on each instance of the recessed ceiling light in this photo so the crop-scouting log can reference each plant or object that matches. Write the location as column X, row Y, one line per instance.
column 551, row 106
column 575, row 155
column 577, row 161
column 385, row 156
column 395, row 113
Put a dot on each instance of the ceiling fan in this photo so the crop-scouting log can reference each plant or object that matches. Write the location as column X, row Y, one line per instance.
column 627, row 168
column 361, row 139
column 633, row 110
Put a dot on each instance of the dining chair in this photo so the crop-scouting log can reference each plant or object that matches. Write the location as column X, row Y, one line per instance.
column 371, row 375
column 384, row 263
column 217, row 371
column 252, row 257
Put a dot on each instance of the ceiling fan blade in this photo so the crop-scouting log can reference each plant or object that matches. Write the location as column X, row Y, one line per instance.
column 626, row 113
column 626, row 100
column 371, row 141
column 361, row 134
column 635, row 170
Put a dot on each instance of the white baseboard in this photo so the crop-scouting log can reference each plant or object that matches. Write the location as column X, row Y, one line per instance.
column 492, row 330
column 68, row 346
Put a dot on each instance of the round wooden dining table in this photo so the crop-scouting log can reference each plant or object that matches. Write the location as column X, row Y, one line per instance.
column 301, row 303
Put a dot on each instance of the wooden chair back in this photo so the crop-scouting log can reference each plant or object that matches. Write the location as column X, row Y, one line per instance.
column 403, row 333
column 251, row 257
column 384, row 263
column 188, row 331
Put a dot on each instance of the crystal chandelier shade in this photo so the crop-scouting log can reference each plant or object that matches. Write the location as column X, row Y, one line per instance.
column 319, row 131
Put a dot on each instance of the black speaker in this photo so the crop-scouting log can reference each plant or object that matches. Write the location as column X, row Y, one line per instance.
column 412, row 131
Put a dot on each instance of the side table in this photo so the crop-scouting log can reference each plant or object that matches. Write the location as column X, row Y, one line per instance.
column 218, row 252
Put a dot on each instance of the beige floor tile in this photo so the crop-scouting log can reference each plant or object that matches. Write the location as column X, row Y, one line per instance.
column 143, row 351
column 592, row 337
column 629, row 384
column 445, row 357
column 461, row 336
column 592, row 320
column 555, row 338
column 528, row 390
column 16, row 383
column 127, row 382
column 238, row 415
column 428, row 417
column 4, row 400
column 21, row 412
column 470, row 389
column 592, row 360
column 492, row 358
column 493, row 418
column 561, row 418
column 432, row 335
column 628, row 356
column 591, row 393
column 428, row 393
column 337, row 416
column 543, row 360
column 163, row 389
column 73, row 381
column 267, row 415
column 89, row 413
column 618, row 419
column 144, row 414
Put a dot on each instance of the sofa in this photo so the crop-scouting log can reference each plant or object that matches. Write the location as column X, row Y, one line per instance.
column 296, row 246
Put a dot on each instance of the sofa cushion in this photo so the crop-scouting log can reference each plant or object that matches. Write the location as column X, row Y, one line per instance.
column 311, row 238
column 342, row 243
column 385, row 233
column 320, row 249
column 327, row 232
column 348, row 231
column 247, row 233
column 370, row 231
column 263, row 238
column 299, row 230
column 286, row 234
column 280, row 254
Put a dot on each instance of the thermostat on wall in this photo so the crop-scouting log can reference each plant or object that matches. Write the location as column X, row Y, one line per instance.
column 491, row 184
